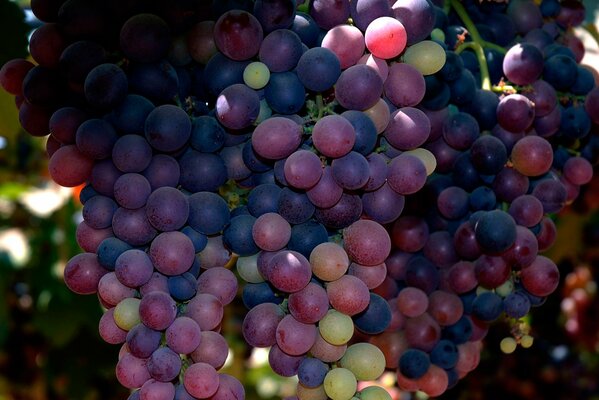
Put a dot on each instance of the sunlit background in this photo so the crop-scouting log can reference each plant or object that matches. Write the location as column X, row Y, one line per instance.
column 49, row 343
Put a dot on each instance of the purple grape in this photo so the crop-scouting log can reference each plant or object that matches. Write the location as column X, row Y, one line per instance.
column 157, row 310
column 172, row 253
column 143, row 341
column 167, row 209
column 164, row 364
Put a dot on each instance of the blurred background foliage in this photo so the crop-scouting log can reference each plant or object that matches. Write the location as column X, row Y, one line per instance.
column 50, row 348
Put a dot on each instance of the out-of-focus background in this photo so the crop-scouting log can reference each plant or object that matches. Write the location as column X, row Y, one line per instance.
column 49, row 342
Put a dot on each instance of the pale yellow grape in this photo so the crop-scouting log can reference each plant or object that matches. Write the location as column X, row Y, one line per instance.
column 306, row 393
column 364, row 360
column 438, row 35
column 247, row 268
column 526, row 341
column 340, row 384
column 126, row 313
column 427, row 57
column 336, row 328
column 481, row 290
column 256, row 75
column 374, row 393
column 505, row 289
column 379, row 114
column 428, row 158
column 508, row 345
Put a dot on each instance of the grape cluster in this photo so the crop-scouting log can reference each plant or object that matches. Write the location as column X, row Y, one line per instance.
column 381, row 174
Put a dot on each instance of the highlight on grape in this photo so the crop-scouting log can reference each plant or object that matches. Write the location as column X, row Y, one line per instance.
column 374, row 179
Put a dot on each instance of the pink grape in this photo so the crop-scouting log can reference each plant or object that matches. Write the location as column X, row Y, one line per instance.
column 386, row 37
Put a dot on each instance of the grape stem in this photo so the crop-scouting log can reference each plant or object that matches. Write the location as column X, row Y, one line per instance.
column 463, row 14
column 482, row 61
column 320, row 105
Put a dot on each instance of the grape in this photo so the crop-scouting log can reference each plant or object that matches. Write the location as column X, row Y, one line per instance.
column 157, row 282
column 516, row 304
column 376, row 318
column 228, row 387
column 311, row 372
column 167, row 209
column 303, row 169
column 434, row 382
column 256, row 75
column 238, row 35
column 427, row 57
column 336, row 328
column 406, row 174
column 309, row 305
column 414, row 363
column 510, row 184
column 410, row 233
column 105, row 86
column 348, row 295
column 206, row 310
column 495, row 231
column 12, row 75
column 109, row 330
column 182, row 287
column 276, row 138
column 145, row 38
column 289, row 271
column 318, row 69
column 157, row 310
column 69, row 167
column 82, row 273
column 237, row 106
column 377, row 166
column 167, row 128
column 378, row 64
column 488, row 155
column 422, row 332
column 260, row 324
column 560, row 71
column 95, row 138
column 385, row 37
column 446, row 308
column 359, row 87
column 126, row 313
column 541, row 277
column 212, row 350
column 364, row 360
column 280, row 50
column 340, row 384
column 333, row 136
column 408, row 128
column 215, row 254
column 164, row 364
column 111, row 291
column 351, row 171
column 326, row 192
column 383, row 205
column 132, row 372
column 219, row 282
column 462, row 277
column 523, row 64
column 285, row 93
column 143, row 341
column 201, row 380
column 305, row 237
column 131, row 153
column 367, row 242
column 293, row 337
column 172, row 253
column 515, row 113
column 162, row 171
column 418, row 16
column 487, row 306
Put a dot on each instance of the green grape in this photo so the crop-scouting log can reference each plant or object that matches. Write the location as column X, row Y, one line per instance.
column 126, row 313
column 336, row 328
column 508, row 345
column 428, row 158
column 247, row 268
column 306, row 393
column 427, row 57
column 265, row 112
column 340, row 384
column 526, row 341
column 374, row 393
column 366, row 361
column 505, row 289
column 256, row 75
column 438, row 35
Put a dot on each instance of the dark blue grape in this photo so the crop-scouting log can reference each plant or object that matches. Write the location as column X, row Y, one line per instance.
column 516, row 304
column 560, row 71
column 238, row 235
column 306, row 28
column 207, row 135
column 495, row 231
column 258, row 293
column 366, row 134
column 488, row 154
column 318, row 69
column 263, row 199
column 376, row 318
column 305, row 237
column 423, row 274
column 482, row 198
column 109, row 250
column 444, row 354
column 311, row 372
column 414, row 363
column 285, row 93
column 105, row 86
column 182, row 287
column 460, row 332
column 487, row 306
column 208, row 213
column 158, row 82
column 294, row 206
column 222, row 72
column 130, row 115
column 202, row 171
column 198, row 239
column 167, row 128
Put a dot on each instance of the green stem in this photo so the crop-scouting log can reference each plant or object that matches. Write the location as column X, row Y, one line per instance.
column 320, row 105
column 482, row 61
column 446, row 7
column 463, row 14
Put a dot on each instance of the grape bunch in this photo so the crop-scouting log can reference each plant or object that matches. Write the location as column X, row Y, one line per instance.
column 381, row 174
